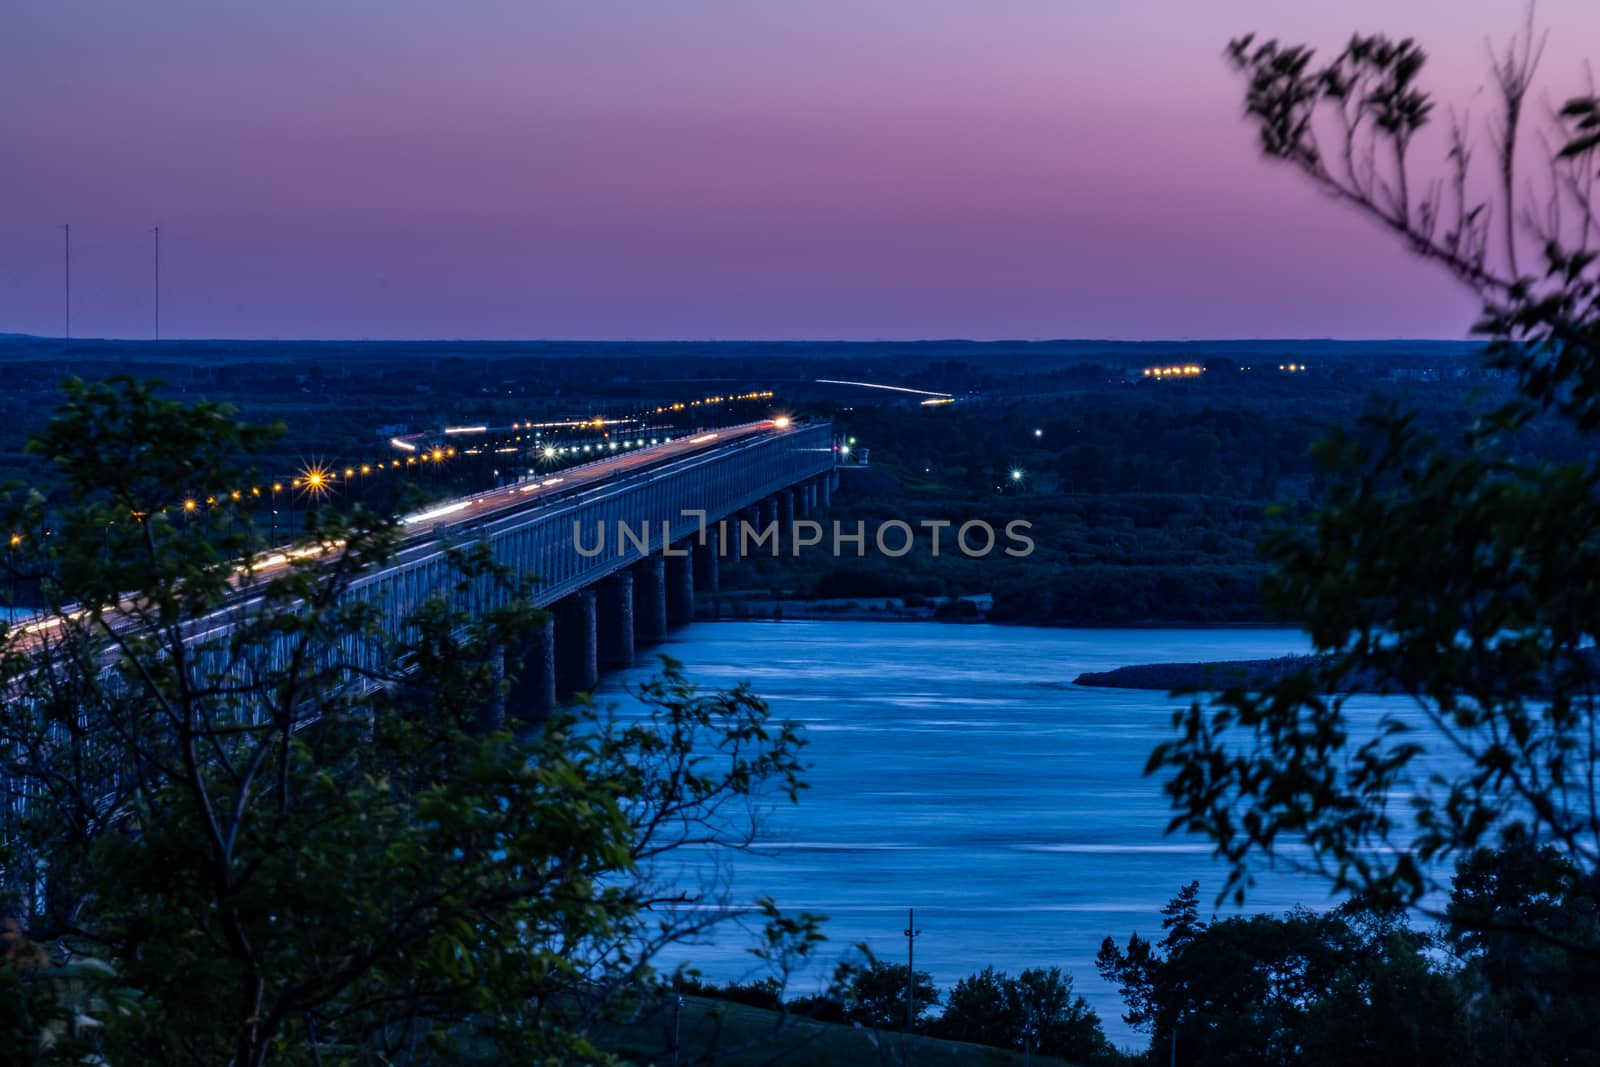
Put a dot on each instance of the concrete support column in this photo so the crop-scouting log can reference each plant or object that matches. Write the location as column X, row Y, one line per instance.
column 577, row 666
column 768, row 515
column 493, row 711
column 532, row 696
column 750, row 516
column 811, row 496
column 680, row 585
column 708, row 564
column 825, row 490
column 614, row 620
column 785, row 515
column 650, row 599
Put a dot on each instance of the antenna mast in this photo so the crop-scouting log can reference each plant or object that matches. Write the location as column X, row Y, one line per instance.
column 66, row 231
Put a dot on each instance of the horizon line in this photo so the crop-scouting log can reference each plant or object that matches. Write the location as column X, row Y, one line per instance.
column 742, row 340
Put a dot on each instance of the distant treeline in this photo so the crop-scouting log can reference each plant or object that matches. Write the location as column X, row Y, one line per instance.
column 1147, row 500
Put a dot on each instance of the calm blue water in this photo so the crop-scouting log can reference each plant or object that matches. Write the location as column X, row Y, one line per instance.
column 957, row 770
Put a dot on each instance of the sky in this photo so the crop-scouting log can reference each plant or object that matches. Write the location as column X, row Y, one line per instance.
column 698, row 169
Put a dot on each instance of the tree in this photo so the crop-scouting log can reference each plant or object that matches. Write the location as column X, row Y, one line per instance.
column 993, row 1008
column 1355, row 984
column 1453, row 571
column 1534, row 1000
column 301, row 836
column 874, row 993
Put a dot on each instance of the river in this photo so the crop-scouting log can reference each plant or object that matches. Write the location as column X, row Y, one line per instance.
column 957, row 770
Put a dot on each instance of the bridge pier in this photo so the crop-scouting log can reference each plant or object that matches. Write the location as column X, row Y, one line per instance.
column 532, row 694
column 825, row 489
column 767, row 512
column 707, row 565
column 650, row 599
column 577, row 666
column 614, row 620
column 751, row 517
column 785, row 517
column 493, row 710
column 680, row 586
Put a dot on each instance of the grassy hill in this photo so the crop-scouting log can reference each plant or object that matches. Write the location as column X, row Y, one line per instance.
column 734, row 1035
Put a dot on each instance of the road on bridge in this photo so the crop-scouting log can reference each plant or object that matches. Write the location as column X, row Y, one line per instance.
column 440, row 519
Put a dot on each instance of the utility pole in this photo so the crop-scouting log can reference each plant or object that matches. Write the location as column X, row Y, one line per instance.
column 911, row 971
column 66, row 271
column 157, row 232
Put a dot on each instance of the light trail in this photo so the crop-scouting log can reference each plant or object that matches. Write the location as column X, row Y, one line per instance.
column 33, row 632
column 436, row 513
column 891, row 388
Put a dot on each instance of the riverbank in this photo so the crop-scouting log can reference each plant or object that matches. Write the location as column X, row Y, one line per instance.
column 1258, row 674
column 1229, row 674
column 756, row 606
column 749, row 607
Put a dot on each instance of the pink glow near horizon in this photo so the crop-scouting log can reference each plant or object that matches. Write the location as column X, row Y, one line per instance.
column 736, row 169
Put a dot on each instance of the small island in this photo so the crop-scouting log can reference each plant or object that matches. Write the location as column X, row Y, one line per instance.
column 1226, row 674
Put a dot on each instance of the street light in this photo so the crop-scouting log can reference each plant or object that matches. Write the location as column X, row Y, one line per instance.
column 11, row 568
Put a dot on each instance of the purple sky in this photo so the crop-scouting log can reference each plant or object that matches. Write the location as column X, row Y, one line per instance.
column 659, row 169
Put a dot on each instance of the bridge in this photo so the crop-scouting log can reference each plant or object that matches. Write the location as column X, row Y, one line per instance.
column 617, row 548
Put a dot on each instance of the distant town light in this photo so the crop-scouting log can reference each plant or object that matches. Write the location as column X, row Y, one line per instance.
column 1185, row 370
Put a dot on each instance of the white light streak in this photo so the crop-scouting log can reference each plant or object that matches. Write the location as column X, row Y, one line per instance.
column 436, row 513
column 874, row 385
